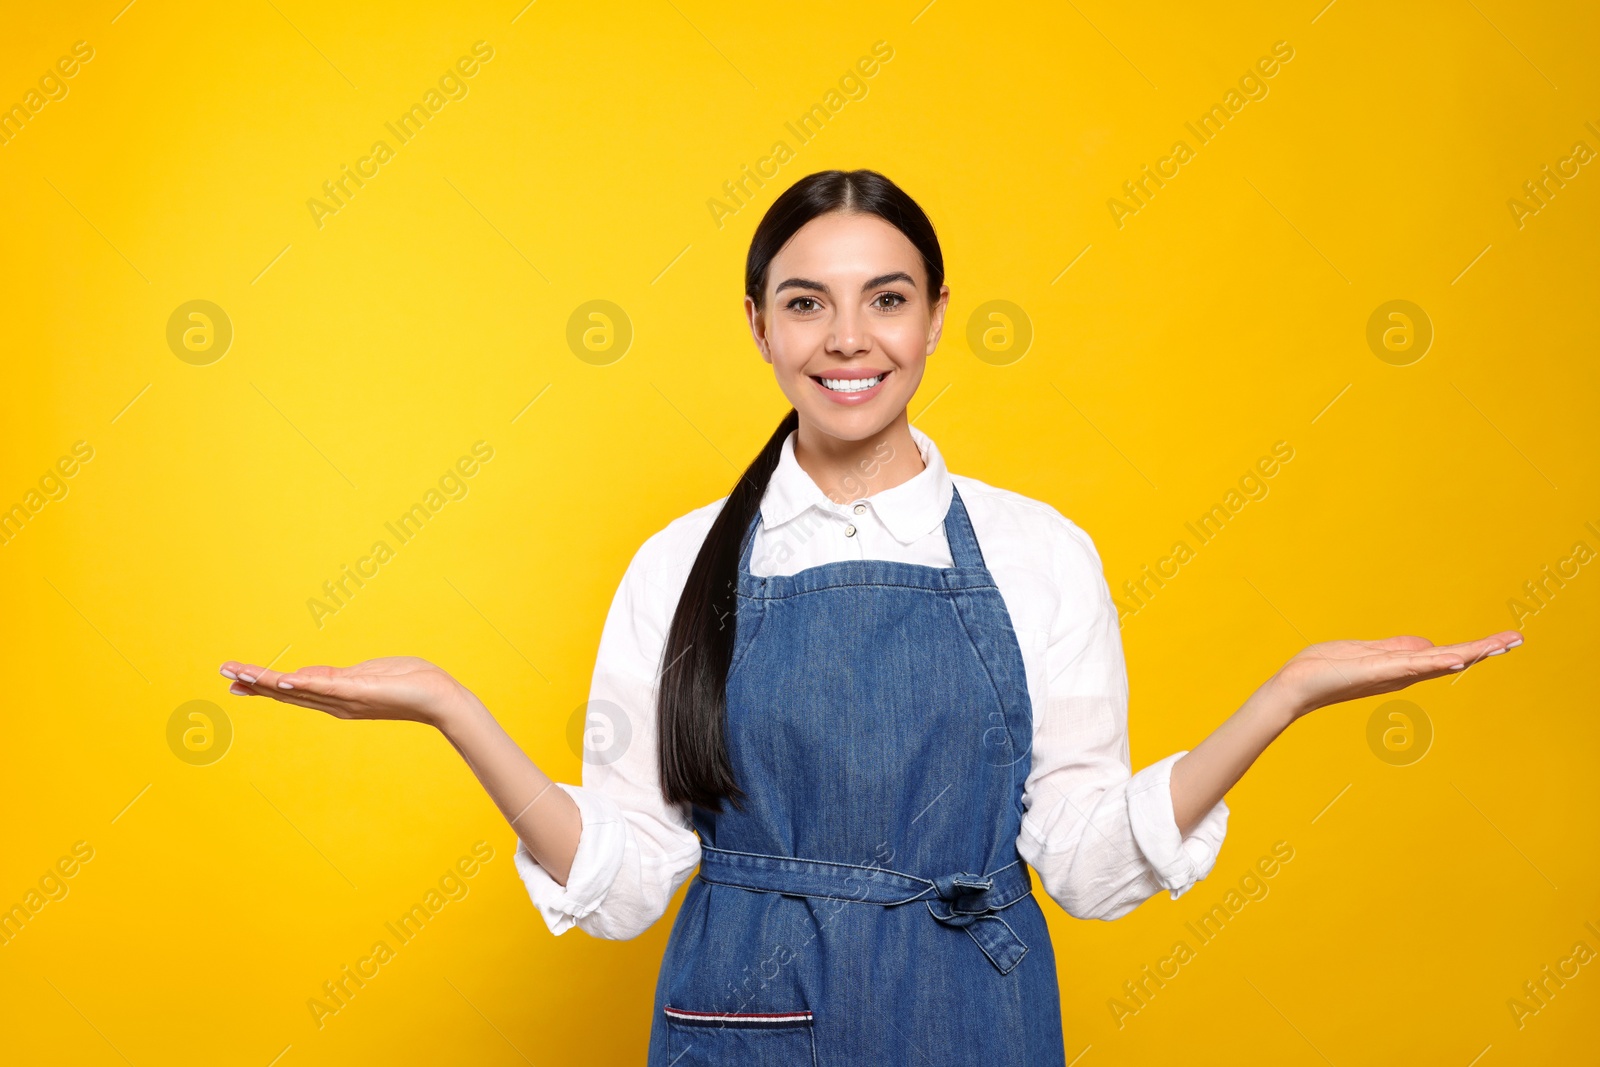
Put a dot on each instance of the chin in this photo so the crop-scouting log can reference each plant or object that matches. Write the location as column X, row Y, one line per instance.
column 857, row 425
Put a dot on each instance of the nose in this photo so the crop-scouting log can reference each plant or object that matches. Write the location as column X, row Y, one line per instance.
column 849, row 336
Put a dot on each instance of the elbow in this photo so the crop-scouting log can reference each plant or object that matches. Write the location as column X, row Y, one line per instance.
column 1079, row 904
column 632, row 905
column 1085, row 885
column 597, row 922
column 615, row 928
column 628, row 909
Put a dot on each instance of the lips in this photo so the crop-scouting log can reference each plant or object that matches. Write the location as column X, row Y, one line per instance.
column 853, row 385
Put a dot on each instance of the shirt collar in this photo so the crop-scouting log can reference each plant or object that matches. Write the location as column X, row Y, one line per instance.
column 910, row 510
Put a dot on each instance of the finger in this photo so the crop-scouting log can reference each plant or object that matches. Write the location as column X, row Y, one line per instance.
column 327, row 689
column 1401, row 669
column 1423, row 673
column 1493, row 645
column 297, row 697
column 1433, row 659
column 263, row 680
column 245, row 673
column 335, row 693
column 1408, row 667
column 1504, row 641
column 234, row 667
column 327, row 685
column 258, row 680
column 231, row 669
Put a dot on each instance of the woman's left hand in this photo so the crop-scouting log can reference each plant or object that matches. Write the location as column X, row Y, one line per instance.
column 1335, row 671
column 391, row 687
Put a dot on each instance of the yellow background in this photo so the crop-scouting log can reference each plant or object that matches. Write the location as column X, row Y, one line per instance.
column 370, row 353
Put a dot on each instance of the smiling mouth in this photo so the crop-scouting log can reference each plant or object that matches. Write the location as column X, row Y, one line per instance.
column 849, row 385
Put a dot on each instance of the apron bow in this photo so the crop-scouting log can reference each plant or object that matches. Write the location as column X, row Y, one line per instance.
column 972, row 902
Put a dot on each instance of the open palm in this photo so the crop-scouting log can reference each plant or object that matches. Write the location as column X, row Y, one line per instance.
column 391, row 687
column 1335, row 671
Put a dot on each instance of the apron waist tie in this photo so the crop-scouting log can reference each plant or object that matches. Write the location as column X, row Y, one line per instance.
column 970, row 901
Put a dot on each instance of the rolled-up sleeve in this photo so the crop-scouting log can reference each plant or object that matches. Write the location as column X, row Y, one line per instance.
column 595, row 867
column 1101, row 839
column 635, row 849
column 1178, row 862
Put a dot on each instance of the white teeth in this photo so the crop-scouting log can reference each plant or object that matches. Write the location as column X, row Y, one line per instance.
column 851, row 385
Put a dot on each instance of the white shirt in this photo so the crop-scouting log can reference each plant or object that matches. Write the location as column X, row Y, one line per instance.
column 1101, row 839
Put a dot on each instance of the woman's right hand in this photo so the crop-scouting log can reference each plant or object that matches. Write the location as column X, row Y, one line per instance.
column 393, row 687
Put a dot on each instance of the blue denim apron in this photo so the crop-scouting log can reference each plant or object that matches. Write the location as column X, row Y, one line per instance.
column 868, row 905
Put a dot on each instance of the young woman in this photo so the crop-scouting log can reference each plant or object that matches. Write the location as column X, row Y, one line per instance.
column 864, row 695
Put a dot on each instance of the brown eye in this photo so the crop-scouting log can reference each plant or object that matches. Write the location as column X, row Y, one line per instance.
column 800, row 300
column 896, row 297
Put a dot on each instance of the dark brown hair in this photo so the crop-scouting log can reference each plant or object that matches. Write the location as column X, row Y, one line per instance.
column 692, row 703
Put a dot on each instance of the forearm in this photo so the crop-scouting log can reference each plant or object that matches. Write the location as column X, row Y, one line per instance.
column 1205, row 774
column 544, row 817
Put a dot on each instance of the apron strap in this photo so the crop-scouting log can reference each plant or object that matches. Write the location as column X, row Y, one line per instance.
column 964, row 550
column 970, row 901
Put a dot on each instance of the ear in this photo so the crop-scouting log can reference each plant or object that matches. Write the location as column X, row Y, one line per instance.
column 936, row 324
column 758, row 328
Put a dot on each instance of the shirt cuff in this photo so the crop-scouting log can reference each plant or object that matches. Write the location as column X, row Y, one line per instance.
column 1178, row 862
column 594, row 866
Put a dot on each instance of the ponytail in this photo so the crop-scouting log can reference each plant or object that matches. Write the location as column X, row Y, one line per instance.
column 694, row 688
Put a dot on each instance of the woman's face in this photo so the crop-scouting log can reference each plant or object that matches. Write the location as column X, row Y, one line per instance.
column 846, row 307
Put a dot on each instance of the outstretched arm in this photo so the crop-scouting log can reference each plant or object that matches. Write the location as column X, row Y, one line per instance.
column 545, row 818
column 1322, row 674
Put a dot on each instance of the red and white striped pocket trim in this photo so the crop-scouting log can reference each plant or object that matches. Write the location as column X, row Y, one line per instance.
column 738, row 1018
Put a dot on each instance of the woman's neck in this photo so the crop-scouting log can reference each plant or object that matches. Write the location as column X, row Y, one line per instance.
column 848, row 470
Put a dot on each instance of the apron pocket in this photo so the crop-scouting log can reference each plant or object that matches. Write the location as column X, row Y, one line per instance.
column 746, row 1039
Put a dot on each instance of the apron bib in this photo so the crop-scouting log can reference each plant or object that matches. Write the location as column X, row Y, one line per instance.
column 868, row 905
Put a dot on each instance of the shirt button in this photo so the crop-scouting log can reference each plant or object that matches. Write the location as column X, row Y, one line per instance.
column 861, row 509
column 850, row 531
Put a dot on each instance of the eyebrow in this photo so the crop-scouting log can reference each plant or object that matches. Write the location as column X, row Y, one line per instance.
column 873, row 283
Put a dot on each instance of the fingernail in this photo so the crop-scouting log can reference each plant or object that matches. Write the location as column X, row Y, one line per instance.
column 1458, row 666
column 285, row 685
column 226, row 673
column 238, row 690
column 1499, row 651
column 245, row 678
column 1515, row 643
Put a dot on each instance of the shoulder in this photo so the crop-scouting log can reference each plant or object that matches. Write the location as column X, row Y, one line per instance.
column 647, row 597
column 1043, row 562
column 1021, row 524
column 663, row 561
